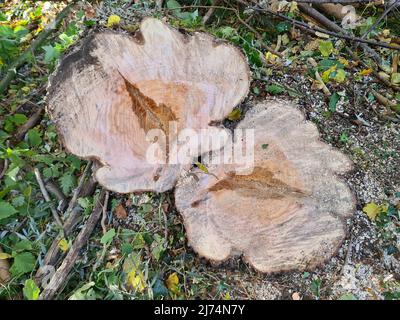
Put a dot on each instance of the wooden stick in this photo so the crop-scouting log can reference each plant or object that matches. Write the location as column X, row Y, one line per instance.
column 60, row 276
column 55, row 190
column 210, row 12
column 47, row 198
column 54, row 252
column 32, row 121
column 78, row 189
column 12, row 69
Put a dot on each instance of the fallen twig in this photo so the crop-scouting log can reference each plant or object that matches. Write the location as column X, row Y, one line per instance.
column 5, row 164
column 32, row 121
column 12, row 69
column 56, row 191
column 47, row 198
column 210, row 12
column 78, row 189
column 315, row 29
column 53, row 253
column 63, row 271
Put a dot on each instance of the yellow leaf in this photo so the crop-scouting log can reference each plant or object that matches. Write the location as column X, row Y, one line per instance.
column 202, row 167
column 227, row 296
column 372, row 210
column 172, row 283
column 63, row 245
column 4, row 256
column 113, row 20
column 235, row 115
column 340, row 76
column 327, row 73
column 366, row 72
column 344, row 62
column 136, row 280
column 270, row 57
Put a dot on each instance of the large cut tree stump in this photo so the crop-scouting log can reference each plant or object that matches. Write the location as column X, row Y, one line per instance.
column 288, row 213
column 106, row 97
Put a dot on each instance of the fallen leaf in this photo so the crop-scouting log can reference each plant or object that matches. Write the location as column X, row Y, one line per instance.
column 120, row 212
column 136, row 280
column 113, row 21
column 172, row 283
column 372, row 210
column 366, row 72
column 63, row 245
column 326, row 48
column 235, row 115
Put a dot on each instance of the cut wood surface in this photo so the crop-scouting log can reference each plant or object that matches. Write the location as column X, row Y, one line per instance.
column 288, row 213
column 105, row 97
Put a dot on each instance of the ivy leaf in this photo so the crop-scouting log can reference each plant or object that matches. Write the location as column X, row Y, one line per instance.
column 108, row 237
column 333, row 102
column 51, row 54
column 23, row 263
column 67, row 181
column 6, row 210
column 395, row 78
column 340, row 75
column 31, row 290
column 326, row 48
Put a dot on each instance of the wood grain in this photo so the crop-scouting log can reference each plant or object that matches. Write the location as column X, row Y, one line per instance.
column 287, row 213
column 106, row 96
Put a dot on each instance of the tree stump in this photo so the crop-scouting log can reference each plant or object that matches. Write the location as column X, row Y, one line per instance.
column 108, row 96
column 288, row 213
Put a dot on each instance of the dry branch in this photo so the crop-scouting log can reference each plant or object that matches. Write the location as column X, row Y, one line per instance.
column 32, row 121
column 47, row 198
column 58, row 279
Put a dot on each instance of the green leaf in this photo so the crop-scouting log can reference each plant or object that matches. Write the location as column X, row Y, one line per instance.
column 31, row 290
column 108, row 237
column 333, row 102
column 395, row 78
column 51, row 54
column 34, row 138
column 6, row 210
column 23, row 245
column 326, row 48
column 340, row 75
column 23, row 263
column 275, row 89
column 67, row 181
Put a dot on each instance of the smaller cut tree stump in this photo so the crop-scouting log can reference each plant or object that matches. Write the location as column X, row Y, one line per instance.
column 288, row 213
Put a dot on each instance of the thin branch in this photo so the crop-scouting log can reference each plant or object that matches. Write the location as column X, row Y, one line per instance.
column 210, row 12
column 59, row 277
column 54, row 189
column 315, row 29
column 32, row 121
column 47, row 198
column 104, row 217
column 77, row 191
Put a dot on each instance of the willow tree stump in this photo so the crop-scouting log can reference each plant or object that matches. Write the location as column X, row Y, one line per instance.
column 106, row 97
column 288, row 213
